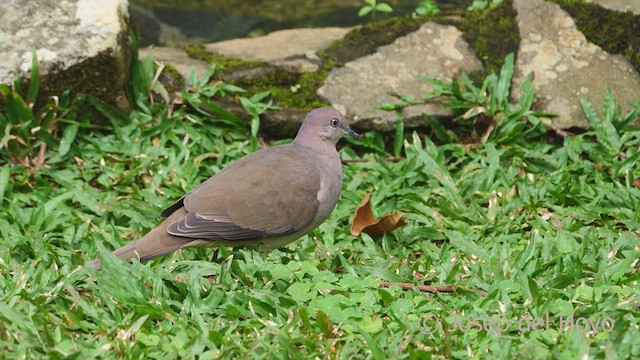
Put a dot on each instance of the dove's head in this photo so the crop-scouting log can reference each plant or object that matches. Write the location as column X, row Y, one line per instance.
column 324, row 125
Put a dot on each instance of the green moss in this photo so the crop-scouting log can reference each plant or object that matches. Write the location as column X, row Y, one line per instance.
column 302, row 96
column 280, row 83
column 615, row 32
column 267, row 77
column 96, row 76
column 493, row 33
column 223, row 63
column 366, row 39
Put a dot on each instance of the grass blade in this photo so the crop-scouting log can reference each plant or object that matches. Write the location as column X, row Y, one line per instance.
column 4, row 181
column 34, row 83
column 68, row 136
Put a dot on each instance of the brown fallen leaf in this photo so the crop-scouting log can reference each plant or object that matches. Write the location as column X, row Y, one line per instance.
column 364, row 222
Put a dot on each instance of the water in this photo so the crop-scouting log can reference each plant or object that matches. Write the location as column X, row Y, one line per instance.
column 175, row 22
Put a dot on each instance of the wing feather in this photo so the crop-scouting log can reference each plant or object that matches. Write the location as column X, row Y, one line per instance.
column 270, row 193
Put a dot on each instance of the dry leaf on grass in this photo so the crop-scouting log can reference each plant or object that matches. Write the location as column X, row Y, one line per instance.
column 364, row 222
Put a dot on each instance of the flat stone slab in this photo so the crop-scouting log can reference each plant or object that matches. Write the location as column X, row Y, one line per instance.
column 619, row 5
column 176, row 58
column 294, row 50
column 82, row 45
column 565, row 65
column 361, row 85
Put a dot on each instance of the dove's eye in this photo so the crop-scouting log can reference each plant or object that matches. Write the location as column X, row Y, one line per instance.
column 334, row 122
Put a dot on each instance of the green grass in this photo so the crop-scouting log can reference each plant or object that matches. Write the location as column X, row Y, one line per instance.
column 522, row 226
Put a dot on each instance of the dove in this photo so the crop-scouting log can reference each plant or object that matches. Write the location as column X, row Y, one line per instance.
column 262, row 201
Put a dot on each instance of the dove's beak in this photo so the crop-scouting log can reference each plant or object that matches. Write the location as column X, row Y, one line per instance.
column 352, row 133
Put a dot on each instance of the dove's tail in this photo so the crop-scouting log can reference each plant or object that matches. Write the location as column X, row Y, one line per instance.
column 156, row 242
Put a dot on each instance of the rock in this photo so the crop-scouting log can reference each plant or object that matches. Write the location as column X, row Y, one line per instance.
column 154, row 32
column 361, row 85
column 619, row 5
column 565, row 65
column 279, row 124
column 283, row 123
column 82, row 45
column 176, row 58
column 293, row 50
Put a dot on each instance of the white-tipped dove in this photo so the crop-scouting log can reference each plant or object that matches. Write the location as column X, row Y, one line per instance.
column 264, row 200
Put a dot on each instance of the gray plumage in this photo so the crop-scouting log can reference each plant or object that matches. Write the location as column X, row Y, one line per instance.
column 264, row 200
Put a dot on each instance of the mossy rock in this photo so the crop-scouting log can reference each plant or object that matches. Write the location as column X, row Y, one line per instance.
column 298, row 90
column 223, row 63
column 480, row 29
column 614, row 31
column 364, row 40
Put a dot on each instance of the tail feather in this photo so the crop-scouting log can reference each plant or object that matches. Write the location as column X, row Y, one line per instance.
column 156, row 242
